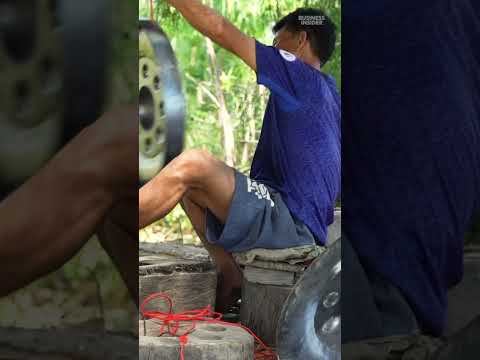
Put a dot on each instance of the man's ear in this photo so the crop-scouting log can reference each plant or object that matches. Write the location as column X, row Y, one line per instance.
column 302, row 38
column 301, row 41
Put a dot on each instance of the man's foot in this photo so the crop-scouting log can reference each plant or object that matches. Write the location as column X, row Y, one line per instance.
column 228, row 291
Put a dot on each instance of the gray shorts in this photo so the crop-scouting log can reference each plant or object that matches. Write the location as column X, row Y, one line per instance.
column 258, row 218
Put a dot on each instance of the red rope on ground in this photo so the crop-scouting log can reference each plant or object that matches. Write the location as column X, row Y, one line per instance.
column 171, row 324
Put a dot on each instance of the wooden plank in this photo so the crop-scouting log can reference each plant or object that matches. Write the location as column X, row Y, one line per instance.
column 156, row 265
column 178, row 251
column 65, row 344
column 268, row 277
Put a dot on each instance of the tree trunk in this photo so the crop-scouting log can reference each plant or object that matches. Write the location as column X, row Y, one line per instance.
column 223, row 114
column 249, row 133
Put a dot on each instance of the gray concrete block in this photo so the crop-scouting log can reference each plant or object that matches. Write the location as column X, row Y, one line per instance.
column 207, row 342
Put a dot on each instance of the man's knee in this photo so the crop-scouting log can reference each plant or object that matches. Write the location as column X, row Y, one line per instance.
column 193, row 165
column 187, row 203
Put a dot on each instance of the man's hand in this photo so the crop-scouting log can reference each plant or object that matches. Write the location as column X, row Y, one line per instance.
column 218, row 29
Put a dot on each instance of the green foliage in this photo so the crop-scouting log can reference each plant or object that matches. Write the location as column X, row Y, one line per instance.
column 123, row 71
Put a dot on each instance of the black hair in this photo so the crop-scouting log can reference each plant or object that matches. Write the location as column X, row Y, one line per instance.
column 320, row 29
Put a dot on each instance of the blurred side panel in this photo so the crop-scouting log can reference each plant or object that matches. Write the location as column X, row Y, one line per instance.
column 68, row 179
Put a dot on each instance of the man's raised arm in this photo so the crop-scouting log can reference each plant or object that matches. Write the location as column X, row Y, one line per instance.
column 218, row 29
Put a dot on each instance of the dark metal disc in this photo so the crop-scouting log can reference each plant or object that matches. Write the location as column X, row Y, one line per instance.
column 53, row 62
column 309, row 326
column 86, row 32
column 32, row 91
column 161, row 102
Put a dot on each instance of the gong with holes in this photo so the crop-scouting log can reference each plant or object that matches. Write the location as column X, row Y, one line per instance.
column 309, row 326
column 50, row 89
column 161, row 102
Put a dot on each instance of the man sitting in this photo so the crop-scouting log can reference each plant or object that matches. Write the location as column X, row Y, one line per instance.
column 294, row 181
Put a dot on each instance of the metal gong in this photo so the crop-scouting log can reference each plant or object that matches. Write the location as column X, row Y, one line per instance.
column 161, row 103
column 46, row 94
column 87, row 44
column 310, row 323
column 31, row 95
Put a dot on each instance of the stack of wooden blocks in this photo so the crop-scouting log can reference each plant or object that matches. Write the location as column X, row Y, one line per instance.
column 266, row 288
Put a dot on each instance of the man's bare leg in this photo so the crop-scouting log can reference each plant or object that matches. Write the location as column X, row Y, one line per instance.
column 122, row 247
column 202, row 182
column 209, row 183
column 230, row 276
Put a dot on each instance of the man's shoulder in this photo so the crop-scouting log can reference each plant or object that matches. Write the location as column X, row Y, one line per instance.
column 323, row 88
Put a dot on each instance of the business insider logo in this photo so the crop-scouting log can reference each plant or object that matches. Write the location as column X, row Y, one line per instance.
column 312, row 19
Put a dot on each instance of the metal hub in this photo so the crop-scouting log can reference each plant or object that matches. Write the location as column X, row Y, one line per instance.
column 152, row 141
column 146, row 109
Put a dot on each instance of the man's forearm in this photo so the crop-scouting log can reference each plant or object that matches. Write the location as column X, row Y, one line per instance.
column 218, row 29
column 204, row 19
column 148, row 205
column 48, row 219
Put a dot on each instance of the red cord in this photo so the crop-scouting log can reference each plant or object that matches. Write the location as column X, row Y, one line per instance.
column 171, row 324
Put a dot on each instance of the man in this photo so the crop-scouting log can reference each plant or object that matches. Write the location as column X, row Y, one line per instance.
column 295, row 175
column 411, row 133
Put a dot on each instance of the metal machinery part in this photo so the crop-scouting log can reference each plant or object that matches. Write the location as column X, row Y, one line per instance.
column 161, row 102
column 309, row 326
column 87, row 44
column 53, row 61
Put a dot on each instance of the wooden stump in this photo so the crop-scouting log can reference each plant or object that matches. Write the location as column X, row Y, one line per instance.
column 265, row 290
column 190, row 282
column 206, row 342
column 263, row 294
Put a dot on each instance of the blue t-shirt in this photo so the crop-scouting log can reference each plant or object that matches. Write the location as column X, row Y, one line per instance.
column 298, row 153
column 411, row 142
